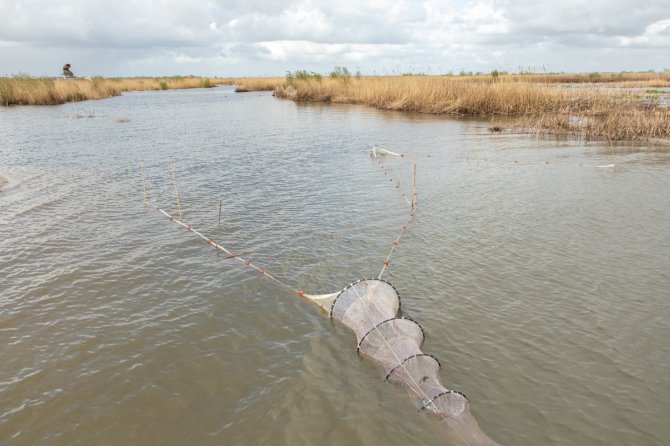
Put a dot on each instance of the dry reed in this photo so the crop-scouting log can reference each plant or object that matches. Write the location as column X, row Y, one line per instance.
column 592, row 112
column 246, row 84
column 650, row 79
column 591, row 105
column 26, row 90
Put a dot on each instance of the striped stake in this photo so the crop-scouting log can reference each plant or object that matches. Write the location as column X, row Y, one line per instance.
column 176, row 191
column 414, row 182
column 144, row 179
column 218, row 229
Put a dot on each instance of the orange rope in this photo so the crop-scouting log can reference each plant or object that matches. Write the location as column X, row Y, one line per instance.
column 230, row 253
column 405, row 225
column 248, row 263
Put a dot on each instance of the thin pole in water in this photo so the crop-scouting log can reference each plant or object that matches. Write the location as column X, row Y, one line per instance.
column 218, row 229
column 144, row 179
column 176, row 191
column 413, row 182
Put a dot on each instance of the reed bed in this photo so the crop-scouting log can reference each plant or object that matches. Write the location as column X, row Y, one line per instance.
column 590, row 105
column 167, row 83
column 613, row 114
column 258, row 83
column 622, row 79
column 26, row 90
column 436, row 95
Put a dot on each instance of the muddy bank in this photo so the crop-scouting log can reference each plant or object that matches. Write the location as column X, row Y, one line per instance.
column 3, row 181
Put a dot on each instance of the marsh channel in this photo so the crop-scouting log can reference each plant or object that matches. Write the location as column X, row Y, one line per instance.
column 539, row 268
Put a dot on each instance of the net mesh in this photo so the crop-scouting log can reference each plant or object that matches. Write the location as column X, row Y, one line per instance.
column 394, row 338
column 370, row 308
column 364, row 304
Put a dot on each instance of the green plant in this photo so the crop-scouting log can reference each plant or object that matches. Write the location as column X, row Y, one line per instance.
column 340, row 73
column 302, row 75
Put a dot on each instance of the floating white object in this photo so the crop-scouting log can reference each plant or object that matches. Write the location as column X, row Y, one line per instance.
column 376, row 150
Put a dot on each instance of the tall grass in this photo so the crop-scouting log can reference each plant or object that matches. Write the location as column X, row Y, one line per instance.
column 245, row 84
column 437, row 95
column 604, row 106
column 614, row 114
column 649, row 78
column 26, row 90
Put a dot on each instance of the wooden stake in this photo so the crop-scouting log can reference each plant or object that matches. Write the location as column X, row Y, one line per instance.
column 176, row 191
column 218, row 229
column 144, row 179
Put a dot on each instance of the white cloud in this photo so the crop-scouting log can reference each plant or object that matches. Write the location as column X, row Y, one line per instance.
column 656, row 35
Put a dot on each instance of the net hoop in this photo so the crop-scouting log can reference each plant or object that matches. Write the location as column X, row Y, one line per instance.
column 330, row 313
column 423, row 333
column 446, row 392
column 418, row 355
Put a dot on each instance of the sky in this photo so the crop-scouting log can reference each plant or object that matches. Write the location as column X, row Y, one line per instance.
column 271, row 37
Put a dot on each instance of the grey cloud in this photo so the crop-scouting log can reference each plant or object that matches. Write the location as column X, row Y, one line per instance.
column 254, row 28
column 241, row 36
column 549, row 18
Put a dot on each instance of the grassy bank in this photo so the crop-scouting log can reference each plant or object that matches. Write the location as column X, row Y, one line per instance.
column 629, row 79
column 26, row 90
column 523, row 102
column 257, row 83
column 612, row 106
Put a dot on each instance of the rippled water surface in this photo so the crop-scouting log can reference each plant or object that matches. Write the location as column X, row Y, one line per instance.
column 541, row 280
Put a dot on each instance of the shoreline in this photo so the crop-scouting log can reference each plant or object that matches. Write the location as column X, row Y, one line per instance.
column 612, row 110
column 27, row 90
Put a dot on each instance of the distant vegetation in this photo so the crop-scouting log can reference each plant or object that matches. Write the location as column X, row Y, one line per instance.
column 532, row 102
column 245, row 84
column 546, row 102
column 27, row 90
column 340, row 73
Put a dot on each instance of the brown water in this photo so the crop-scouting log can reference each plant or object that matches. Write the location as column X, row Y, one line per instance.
column 542, row 284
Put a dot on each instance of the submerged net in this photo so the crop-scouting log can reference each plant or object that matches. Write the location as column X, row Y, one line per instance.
column 370, row 308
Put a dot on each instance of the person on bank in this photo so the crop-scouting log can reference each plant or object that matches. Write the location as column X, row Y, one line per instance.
column 66, row 71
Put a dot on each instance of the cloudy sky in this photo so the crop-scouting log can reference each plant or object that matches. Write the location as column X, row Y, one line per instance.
column 269, row 37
